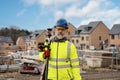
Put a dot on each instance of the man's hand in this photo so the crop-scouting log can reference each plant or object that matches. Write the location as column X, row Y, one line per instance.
column 46, row 54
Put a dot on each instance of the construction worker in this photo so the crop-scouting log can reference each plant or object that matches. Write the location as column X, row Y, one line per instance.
column 63, row 58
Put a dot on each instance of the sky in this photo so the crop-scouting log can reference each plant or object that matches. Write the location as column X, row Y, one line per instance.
column 42, row 14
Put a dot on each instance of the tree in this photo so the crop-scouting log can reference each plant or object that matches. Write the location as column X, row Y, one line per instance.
column 13, row 32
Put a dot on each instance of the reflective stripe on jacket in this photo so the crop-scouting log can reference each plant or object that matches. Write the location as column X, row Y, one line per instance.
column 63, row 61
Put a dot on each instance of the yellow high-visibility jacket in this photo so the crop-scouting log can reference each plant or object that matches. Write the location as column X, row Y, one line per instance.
column 63, row 61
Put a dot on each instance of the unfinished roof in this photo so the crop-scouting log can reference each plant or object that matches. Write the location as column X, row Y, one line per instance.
column 86, row 29
column 35, row 34
column 115, row 29
column 6, row 39
column 26, row 38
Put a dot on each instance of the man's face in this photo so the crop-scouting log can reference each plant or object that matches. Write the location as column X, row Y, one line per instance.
column 60, row 32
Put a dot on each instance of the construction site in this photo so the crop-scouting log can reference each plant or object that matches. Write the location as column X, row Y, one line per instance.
column 94, row 65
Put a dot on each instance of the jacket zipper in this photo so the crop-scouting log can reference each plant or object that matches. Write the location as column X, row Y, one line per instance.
column 57, row 60
column 69, row 74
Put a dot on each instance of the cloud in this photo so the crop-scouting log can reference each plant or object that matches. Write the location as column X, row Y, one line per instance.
column 117, row 21
column 112, row 22
column 76, row 11
column 53, row 5
column 47, row 2
column 100, row 10
column 55, row 2
column 85, row 10
column 69, row 10
column 59, row 14
column 21, row 12
column 86, row 21
column 29, row 2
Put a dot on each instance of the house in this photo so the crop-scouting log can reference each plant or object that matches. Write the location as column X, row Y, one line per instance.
column 21, row 42
column 41, row 36
column 91, row 36
column 5, row 43
column 71, row 30
column 35, row 38
column 31, row 42
column 114, row 35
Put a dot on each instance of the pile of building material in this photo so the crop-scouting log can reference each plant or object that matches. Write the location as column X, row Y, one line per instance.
column 3, row 53
column 98, row 58
column 3, row 60
column 9, row 62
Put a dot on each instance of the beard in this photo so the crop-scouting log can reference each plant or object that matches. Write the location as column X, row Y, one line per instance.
column 60, row 36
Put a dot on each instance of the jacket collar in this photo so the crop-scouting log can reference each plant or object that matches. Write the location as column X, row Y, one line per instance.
column 59, row 40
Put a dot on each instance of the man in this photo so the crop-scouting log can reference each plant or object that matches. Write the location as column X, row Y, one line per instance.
column 63, row 59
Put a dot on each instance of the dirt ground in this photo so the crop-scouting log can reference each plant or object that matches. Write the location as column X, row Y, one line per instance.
column 18, row 76
column 88, row 76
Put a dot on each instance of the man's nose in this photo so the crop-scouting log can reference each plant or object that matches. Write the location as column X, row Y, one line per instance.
column 60, row 30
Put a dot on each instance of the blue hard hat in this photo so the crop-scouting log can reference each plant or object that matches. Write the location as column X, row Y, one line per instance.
column 62, row 23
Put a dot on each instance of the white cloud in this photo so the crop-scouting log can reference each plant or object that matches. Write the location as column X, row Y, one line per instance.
column 29, row 2
column 21, row 12
column 73, row 12
column 48, row 2
column 58, row 14
column 91, row 6
column 117, row 21
column 102, row 10
column 86, row 21
column 113, row 13
column 92, row 10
